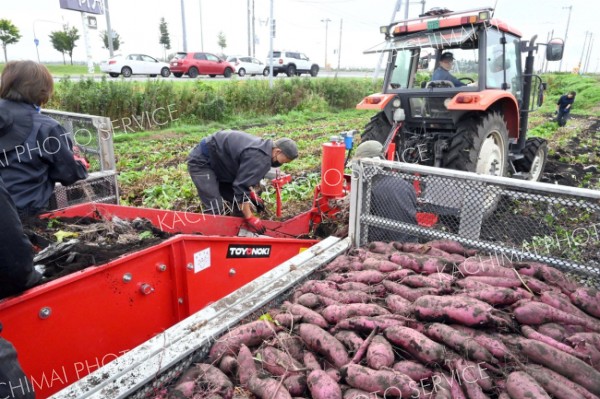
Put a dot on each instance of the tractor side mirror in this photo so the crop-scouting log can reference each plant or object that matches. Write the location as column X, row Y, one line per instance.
column 555, row 49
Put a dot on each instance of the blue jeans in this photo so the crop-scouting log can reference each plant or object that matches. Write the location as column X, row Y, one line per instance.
column 562, row 117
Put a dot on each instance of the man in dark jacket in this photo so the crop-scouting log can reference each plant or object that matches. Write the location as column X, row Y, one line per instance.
column 442, row 72
column 563, row 108
column 392, row 197
column 35, row 150
column 226, row 164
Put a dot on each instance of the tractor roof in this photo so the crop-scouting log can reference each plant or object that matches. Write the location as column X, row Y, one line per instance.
column 440, row 18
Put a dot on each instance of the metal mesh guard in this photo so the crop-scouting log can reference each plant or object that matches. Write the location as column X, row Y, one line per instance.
column 513, row 219
column 98, row 187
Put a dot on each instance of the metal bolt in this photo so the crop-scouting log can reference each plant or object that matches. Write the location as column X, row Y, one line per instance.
column 232, row 272
column 180, row 300
column 190, row 266
column 127, row 277
column 45, row 312
column 161, row 267
column 146, row 289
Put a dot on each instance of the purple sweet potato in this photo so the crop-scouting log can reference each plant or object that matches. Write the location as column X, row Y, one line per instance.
column 366, row 323
column 308, row 315
column 504, row 282
column 383, row 266
column 417, row 344
column 323, row 343
column 521, row 385
column 278, row 362
column 267, row 388
column 336, row 313
column 246, row 365
column 309, row 300
column 495, row 295
column 287, row 319
column 462, row 310
column 473, row 375
column 420, row 281
column 398, row 304
column 561, row 302
column 421, row 263
column 536, row 313
column 250, row 334
column 587, row 299
column 591, row 338
column 354, row 393
column 380, row 247
column 530, row 333
column 461, row 342
column 207, row 378
column 414, row 370
column 399, row 274
column 547, row 274
column 362, row 276
column 228, row 365
column 384, row 382
column 295, row 384
column 452, row 247
column 291, row 344
column 553, row 330
column 557, row 385
column 377, row 290
column 495, row 346
column 322, row 386
column 486, row 266
column 410, row 294
column 351, row 340
column 380, row 353
column 311, row 362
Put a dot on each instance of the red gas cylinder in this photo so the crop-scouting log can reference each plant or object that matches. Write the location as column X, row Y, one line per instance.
column 332, row 168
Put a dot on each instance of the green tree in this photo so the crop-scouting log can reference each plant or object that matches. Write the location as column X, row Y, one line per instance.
column 116, row 39
column 165, row 39
column 64, row 40
column 9, row 34
column 222, row 41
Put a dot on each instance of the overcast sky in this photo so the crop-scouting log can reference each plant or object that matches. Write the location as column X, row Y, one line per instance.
column 299, row 25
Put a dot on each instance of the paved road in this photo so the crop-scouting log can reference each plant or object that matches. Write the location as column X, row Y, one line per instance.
column 322, row 74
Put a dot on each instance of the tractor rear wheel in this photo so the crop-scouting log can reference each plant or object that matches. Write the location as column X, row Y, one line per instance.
column 480, row 145
column 534, row 159
column 377, row 129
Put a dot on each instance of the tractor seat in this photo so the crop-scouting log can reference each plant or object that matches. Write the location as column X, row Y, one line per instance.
column 436, row 84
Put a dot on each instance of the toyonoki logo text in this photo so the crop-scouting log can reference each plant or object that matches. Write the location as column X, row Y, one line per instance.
column 248, row 251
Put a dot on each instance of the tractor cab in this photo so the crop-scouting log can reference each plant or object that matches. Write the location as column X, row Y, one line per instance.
column 460, row 85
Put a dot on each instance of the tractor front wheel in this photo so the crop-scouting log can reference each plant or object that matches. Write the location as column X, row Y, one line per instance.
column 480, row 145
column 534, row 158
column 377, row 129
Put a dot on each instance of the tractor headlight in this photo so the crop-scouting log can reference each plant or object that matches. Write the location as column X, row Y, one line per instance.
column 399, row 115
column 396, row 103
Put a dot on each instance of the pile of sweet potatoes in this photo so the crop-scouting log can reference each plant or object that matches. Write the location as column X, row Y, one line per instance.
column 407, row 320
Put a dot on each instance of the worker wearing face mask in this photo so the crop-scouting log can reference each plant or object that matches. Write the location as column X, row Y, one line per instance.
column 227, row 164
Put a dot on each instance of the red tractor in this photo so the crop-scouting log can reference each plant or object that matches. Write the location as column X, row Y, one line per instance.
column 478, row 124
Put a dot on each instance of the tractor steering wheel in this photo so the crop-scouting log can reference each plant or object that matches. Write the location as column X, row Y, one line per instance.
column 470, row 80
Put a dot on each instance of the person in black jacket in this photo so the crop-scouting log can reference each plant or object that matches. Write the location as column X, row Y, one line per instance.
column 226, row 164
column 563, row 108
column 35, row 150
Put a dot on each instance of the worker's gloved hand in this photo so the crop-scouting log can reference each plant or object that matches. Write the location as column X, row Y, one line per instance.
column 257, row 201
column 83, row 161
column 256, row 224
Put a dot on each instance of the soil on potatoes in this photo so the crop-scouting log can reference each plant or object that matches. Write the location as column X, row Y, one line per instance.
column 66, row 245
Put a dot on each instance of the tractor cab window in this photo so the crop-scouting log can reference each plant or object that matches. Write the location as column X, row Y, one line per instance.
column 503, row 62
column 401, row 72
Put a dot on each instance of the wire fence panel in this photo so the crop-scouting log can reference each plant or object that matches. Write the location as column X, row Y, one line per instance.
column 93, row 135
column 514, row 219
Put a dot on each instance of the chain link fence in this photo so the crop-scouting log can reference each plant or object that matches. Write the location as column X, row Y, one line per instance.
column 513, row 219
column 93, row 135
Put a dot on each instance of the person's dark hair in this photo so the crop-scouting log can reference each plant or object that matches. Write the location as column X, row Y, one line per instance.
column 572, row 93
column 26, row 81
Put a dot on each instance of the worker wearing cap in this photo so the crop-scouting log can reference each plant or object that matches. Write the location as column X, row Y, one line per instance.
column 392, row 197
column 442, row 72
column 226, row 164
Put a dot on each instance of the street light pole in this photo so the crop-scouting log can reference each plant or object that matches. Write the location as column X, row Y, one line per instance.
column 109, row 34
column 566, row 34
column 36, row 42
column 201, row 29
column 583, row 52
column 327, row 21
column 183, row 25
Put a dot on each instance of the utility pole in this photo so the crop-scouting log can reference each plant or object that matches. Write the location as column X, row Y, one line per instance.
column 422, row 6
column 396, row 9
column 249, row 28
column 201, row 29
column 327, row 21
column 339, row 49
column 111, row 50
column 183, row 25
column 406, row 9
column 583, row 52
column 589, row 52
column 253, row 32
column 566, row 34
column 271, row 45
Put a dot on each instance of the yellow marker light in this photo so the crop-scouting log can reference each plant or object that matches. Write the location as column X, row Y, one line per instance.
column 484, row 15
column 384, row 29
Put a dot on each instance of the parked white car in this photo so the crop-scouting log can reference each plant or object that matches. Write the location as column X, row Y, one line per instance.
column 247, row 65
column 135, row 64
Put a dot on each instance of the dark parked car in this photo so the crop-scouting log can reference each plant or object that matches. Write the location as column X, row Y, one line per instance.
column 194, row 64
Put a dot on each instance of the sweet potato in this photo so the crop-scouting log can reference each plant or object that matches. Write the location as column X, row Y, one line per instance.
column 351, row 340
column 207, row 378
column 384, row 382
column 461, row 310
column 322, row 386
column 228, row 365
column 278, row 362
column 398, row 304
column 414, row 370
column 366, row 324
column 354, row 393
column 421, row 263
column 472, row 375
column 311, row 362
column 495, row 346
column 521, row 385
column 341, row 263
column 592, row 338
column 287, row 319
column 535, row 313
column 557, row 385
column 504, row 282
column 380, row 353
column 553, row 330
column 562, row 302
column 408, row 293
column 454, row 386
column 323, row 343
column 461, row 342
column 335, row 313
column 415, row 343
column 494, row 295
column 569, row 366
column 246, row 365
column 420, row 281
column 380, row 247
column 291, row 344
column 471, row 284
column 317, row 286
column 334, row 374
column 530, row 333
column 487, row 266
column 399, row 274
column 360, row 352
column 383, row 266
column 547, row 274
column 295, row 384
column 377, row 290
column 249, row 334
column 308, row 315
column 452, row 247
column 588, row 299
column 309, row 300
column 267, row 388
column 362, row 276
